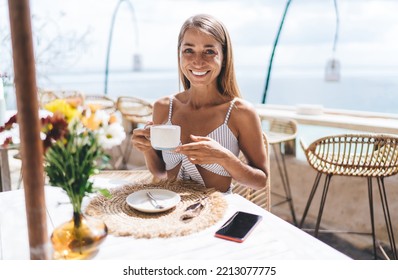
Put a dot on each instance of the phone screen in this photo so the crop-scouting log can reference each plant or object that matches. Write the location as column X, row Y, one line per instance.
column 239, row 226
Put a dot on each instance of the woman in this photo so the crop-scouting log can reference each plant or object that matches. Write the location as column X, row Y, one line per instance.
column 215, row 122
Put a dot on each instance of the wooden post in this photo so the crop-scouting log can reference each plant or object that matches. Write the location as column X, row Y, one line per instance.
column 29, row 126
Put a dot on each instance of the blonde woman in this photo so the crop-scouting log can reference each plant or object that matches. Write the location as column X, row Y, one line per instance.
column 215, row 122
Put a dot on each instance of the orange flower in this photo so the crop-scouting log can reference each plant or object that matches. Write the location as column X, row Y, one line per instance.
column 91, row 122
column 112, row 119
column 94, row 107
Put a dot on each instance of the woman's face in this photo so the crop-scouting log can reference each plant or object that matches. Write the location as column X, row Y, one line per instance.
column 201, row 58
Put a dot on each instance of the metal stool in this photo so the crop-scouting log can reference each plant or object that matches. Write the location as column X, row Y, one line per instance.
column 280, row 133
column 359, row 155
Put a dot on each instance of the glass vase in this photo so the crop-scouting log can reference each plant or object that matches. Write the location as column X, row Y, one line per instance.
column 78, row 238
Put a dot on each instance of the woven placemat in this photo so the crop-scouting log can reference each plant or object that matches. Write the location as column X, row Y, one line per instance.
column 122, row 220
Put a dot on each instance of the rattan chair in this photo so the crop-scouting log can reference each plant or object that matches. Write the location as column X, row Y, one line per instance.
column 46, row 96
column 135, row 111
column 102, row 102
column 282, row 132
column 260, row 197
column 359, row 155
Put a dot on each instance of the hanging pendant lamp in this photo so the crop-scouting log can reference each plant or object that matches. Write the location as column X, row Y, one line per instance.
column 332, row 69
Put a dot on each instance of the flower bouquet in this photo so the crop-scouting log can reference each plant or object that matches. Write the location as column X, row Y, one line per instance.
column 75, row 140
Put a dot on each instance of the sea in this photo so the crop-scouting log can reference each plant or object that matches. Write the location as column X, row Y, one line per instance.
column 360, row 91
column 372, row 92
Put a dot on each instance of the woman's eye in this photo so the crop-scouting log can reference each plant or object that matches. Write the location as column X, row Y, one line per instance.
column 210, row 52
column 188, row 51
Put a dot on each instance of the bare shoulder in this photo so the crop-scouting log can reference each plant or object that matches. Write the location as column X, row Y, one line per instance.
column 161, row 109
column 244, row 109
column 243, row 117
column 162, row 102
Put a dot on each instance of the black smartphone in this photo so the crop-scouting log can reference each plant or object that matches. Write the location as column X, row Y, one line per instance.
column 239, row 226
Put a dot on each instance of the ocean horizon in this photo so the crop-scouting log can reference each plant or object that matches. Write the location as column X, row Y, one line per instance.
column 361, row 92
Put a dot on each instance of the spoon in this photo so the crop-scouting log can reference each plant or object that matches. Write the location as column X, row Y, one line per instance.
column 154, row 201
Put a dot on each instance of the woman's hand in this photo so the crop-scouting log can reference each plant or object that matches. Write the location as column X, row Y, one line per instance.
column 203, row 150
column 141, row 138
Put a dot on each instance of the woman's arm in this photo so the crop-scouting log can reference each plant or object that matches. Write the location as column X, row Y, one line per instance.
column 254, row 173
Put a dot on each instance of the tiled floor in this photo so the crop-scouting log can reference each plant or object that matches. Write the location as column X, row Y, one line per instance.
column 361, row 249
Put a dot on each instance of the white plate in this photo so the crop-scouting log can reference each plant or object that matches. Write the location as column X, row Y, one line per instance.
column 141, row 202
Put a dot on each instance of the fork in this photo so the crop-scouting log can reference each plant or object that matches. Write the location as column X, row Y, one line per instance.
column 154, row 201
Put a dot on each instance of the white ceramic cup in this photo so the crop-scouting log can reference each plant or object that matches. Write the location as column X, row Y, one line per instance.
column 165, row 137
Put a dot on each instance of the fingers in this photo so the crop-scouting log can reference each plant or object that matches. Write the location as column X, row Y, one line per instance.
column 199, row 138
column 148, row 123
column 195, row 152
column 141, row 138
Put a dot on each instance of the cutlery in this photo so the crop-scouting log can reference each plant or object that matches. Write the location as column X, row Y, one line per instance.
column 193, row 210
column 154, row 201
column 194, row 206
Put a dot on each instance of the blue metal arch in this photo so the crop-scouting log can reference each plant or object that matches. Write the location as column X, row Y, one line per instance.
column 131, row 8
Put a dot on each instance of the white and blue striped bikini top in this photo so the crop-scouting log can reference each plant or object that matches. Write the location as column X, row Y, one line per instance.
column 188, row 171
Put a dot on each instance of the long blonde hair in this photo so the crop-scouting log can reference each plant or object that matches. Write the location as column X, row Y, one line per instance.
column 226, row 81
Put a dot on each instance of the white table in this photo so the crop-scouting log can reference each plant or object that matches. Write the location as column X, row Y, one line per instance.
column 5, row 177
column 351, row 120
column 272, row 239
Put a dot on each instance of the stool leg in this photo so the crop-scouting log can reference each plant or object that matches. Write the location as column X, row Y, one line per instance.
column 372, row 221
column 20, row 179
column 387, row 217
column 322, row 203
column 285, row 180
column 312, row 193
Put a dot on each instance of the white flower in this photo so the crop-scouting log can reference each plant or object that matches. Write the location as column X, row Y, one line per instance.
column 111, row 135
column 102, row 116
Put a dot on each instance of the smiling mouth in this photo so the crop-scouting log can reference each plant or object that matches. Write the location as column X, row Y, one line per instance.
column 199, row 73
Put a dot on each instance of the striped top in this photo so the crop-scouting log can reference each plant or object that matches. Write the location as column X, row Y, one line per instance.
column 188, row 170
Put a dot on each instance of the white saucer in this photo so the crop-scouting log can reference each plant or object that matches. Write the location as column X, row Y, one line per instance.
column 141, row 202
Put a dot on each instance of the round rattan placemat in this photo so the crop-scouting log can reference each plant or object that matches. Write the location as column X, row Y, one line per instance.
column 122, row 220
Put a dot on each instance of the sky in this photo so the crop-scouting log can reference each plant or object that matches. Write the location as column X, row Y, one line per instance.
column 73, row 35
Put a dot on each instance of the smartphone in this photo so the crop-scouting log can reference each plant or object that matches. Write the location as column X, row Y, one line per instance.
column 239, row 226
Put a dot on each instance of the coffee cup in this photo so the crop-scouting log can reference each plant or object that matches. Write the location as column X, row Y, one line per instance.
column 165, row 137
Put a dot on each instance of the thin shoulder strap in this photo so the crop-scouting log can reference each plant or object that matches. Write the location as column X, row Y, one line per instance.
column 229, row 110
column 170, row 108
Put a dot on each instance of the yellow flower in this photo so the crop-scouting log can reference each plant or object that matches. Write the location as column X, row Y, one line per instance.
column 63, row 107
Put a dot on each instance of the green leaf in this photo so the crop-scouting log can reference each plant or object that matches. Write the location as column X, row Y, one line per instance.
column 104, row 192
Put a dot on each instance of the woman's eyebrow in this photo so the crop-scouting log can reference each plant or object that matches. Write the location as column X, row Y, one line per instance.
column 192, row 45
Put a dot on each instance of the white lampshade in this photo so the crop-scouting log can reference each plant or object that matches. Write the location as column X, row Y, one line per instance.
column 332, row 70
column 137, row 62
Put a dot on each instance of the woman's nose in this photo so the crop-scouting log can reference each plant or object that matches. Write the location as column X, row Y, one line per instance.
column 198, row 59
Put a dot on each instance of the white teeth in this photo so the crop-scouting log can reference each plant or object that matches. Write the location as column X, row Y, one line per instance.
column 199, row 73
